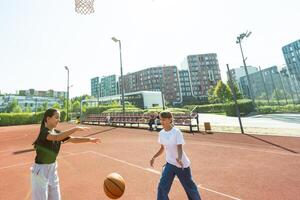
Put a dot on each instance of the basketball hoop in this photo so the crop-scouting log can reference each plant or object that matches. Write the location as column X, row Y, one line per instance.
column 84, row 6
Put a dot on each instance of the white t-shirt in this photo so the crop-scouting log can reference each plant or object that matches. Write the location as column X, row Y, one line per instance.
column 170, row 139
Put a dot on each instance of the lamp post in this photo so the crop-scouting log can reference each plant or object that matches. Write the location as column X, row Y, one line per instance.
column 67, row 93
column 239, row 41
column 122, row 79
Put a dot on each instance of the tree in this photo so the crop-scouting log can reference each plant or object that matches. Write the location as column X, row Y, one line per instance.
column 211, row 97
column 17, row 109
column 76, row 106
column 56, row 105
column 236, row 89
column 222, row 92
column 27, row 109
column 12, row 106
column 45, row 105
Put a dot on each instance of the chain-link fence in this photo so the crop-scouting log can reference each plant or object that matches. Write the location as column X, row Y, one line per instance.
column 271, row 87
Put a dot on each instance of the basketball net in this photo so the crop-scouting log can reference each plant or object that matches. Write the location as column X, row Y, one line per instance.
column 84, row 6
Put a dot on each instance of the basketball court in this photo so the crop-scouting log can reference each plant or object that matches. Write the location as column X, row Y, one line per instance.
column 224, row 166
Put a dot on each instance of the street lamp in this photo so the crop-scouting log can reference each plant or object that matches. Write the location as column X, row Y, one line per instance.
column 122, row 79
column 68, row 93
column 239, row 41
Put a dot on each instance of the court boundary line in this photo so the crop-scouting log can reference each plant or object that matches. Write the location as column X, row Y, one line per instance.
column 158, row 173
column 245, row 148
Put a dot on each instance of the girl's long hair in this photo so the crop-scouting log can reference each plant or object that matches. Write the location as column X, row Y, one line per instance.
column 49, row 113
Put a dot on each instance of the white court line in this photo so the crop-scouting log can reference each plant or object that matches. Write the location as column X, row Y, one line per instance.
column 26, row 163
column 245, row 148
column 158, row 172
column 220, row 193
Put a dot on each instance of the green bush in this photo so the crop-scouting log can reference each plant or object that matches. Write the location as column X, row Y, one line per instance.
column 245, row 107
column 63, row 115
column 8, row 119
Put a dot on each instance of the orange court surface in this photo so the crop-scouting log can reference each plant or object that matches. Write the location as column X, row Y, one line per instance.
column 224, row 166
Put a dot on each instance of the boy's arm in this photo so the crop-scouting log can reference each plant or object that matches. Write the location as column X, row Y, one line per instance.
column 160, row 151
column 179, row 158
column 179, row 151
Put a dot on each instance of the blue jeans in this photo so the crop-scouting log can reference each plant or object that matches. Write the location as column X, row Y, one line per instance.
column 185, row 178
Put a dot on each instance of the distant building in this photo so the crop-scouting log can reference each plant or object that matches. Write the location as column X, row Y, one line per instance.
column 291, row 53
column 48, row 93
column 204, row 72
column 165, row 79
column 95, row 87
column 104, row 86
column 141, row 99
column 199, row 74
column 237, row 73
column 185, row 83
column 32, row 102
column 108, row 86
column 264, row 83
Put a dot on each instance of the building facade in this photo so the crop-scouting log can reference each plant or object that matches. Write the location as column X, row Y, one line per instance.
column 48, row 93
column 108, row 86
column 185, row 83
column 237, row 73
column 204, row 72
column 291, row 53
column 266, row 84
column 165, row 79
column 200, row 73
column 95, row 87
column 31, row 102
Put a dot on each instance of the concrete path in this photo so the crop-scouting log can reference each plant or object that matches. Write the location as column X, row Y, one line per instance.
column 268, row 124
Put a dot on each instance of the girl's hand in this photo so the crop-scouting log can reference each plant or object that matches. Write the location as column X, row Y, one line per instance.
column 81, row 128
column 152, row 161
column 179, row 161
column 95, row 140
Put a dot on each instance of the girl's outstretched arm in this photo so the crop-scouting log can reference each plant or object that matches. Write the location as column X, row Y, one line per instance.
column 160, row 151
column 63, row 135
column 83, row 139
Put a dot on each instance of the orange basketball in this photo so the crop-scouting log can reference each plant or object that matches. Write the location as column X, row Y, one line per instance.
column 114, row 185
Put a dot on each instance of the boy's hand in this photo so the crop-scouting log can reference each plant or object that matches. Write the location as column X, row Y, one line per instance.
column 95, row 140
column 152, row 161
column 179, row 161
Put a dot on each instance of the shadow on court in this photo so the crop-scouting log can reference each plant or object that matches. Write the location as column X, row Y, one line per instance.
column 273, row 144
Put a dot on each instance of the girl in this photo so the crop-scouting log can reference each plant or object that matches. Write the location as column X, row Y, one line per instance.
column 44, row 178
column 171, row 139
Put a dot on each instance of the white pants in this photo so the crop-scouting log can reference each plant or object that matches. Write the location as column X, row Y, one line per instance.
column 45, row 182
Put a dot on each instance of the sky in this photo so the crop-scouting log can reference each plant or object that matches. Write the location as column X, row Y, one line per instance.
column 39, row 38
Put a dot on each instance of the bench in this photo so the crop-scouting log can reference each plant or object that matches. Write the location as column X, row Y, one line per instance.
column 118, row 119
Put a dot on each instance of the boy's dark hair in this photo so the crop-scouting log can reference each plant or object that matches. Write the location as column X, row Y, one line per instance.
column 48, row 113
column 166, row 114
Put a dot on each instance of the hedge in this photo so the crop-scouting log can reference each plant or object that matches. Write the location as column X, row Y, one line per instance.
column 9, row 119
column 245, row 107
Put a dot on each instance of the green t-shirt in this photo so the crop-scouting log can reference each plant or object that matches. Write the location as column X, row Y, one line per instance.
column 46, row 150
